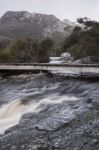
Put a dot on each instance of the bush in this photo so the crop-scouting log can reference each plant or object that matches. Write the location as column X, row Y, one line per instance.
column 27, row 51
column 83, row 43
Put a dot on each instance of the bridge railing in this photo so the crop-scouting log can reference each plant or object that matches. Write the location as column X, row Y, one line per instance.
column 48, row 64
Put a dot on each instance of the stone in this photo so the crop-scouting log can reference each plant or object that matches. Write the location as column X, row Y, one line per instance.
column 95, row 141
column 89, row 101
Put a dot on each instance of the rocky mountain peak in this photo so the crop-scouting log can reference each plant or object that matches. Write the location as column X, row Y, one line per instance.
column 14, row 16
column 17, row 24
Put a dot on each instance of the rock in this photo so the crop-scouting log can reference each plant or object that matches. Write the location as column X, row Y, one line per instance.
column 66, row 57
column 13, row 148
column 95, row 141
column 89, row 101
column 33, row 25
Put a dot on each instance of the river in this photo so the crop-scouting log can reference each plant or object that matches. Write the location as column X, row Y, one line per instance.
column 41, row 112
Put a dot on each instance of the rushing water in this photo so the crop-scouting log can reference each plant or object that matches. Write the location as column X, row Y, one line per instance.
column 19, row 98
column 53, row 100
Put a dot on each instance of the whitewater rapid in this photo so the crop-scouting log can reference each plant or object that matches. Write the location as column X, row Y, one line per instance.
column 11, row 113
column 38, row 111
column 24, row 94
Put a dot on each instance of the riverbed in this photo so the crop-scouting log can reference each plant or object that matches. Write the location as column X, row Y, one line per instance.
column 48, row 112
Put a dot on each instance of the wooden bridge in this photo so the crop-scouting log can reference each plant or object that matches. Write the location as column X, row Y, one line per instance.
column 66, row 68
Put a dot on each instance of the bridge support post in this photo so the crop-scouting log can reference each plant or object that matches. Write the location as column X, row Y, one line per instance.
column 40, row 70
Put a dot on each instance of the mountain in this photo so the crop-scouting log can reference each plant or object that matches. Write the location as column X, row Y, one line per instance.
column 14, row 25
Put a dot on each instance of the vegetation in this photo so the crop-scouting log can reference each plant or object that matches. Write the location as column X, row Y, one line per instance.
column 27, row 51
column 84, row 41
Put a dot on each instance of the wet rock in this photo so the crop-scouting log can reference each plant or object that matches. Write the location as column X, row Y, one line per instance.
column 68, row 125
column 95, row 141
column 89, row 101
column 13, row 148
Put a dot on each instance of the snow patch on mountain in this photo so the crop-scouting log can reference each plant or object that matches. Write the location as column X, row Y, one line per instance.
column 33, row 24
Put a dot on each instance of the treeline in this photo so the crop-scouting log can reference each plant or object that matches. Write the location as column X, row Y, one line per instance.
column 84, row 41
column 26, row 51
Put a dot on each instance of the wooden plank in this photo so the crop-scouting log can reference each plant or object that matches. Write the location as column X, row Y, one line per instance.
column 67, row 68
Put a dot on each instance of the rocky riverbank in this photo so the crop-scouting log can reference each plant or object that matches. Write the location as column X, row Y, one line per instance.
column 63, row 114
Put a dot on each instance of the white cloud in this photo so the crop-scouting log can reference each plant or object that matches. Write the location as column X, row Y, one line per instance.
column 70, row 9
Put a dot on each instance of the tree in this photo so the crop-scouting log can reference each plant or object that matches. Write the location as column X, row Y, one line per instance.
column 27, row 51
column 83, row 43
column 45, row 50
column 6, row 56
column 71, row 40
column 87, row 22
column 24, row 50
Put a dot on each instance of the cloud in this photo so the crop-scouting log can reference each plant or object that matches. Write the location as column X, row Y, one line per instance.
column 69, row 9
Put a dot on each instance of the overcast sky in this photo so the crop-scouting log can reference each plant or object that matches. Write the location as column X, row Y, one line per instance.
column 63, row 9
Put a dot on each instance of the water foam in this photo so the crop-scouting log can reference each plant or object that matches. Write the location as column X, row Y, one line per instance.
column 11, row 113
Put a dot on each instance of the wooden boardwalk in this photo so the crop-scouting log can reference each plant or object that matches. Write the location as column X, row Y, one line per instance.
column 67, row 68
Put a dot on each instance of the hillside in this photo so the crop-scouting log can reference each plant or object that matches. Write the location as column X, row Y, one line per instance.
column 14, row 25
